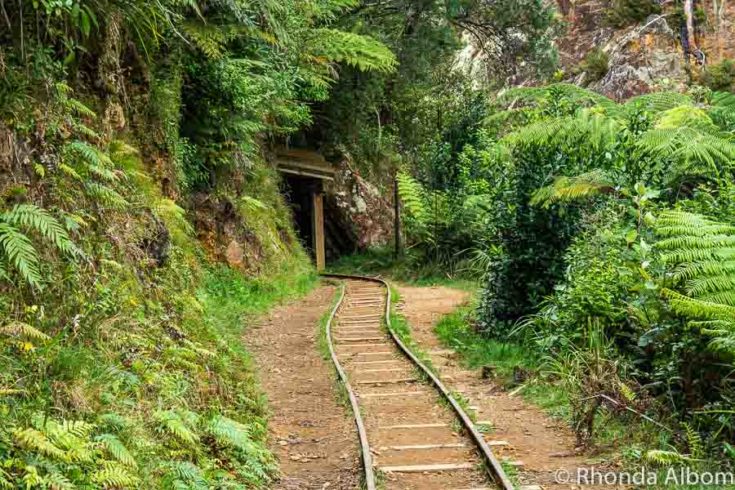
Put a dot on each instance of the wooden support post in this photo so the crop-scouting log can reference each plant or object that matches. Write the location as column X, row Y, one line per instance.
column 396, row 217
column 318, row 225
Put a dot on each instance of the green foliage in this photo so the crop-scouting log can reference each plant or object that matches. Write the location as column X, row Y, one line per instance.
column 625, row 12
column 719, row 76
column 18, row 252
column 595, row 64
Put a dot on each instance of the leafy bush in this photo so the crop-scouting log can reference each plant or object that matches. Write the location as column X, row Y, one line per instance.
column 719, row 76
column 595, row 64
column 622, row 13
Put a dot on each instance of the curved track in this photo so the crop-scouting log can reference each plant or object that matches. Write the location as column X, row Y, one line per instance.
column 409, row 438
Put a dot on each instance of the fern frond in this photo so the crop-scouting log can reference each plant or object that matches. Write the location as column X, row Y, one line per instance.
column 184, row 475
column 114, row 476
column 116, row 449
column 113, row 421
column 695, row 308
column 666, row 458
column 694, row 441
column 39, row 220
column 361, row 52
column 20, row 253
column 170, row 422
column 23, row 330
column 659, row 101
column 57, row 481
column 580, row 96
column 565, row 189
column 413, row 197
column 88, row 154
column 108, row 196
column 228, row 432
column 34, row 440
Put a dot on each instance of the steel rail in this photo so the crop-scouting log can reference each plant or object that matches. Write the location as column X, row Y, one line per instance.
column 367, row 458
column 493, row 466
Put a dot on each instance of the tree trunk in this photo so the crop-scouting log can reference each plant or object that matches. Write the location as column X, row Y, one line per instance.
column 689, row 13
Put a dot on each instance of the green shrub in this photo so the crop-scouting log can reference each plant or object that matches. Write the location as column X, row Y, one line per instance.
column 595, row 64
column 720, row 76
column 622, row 13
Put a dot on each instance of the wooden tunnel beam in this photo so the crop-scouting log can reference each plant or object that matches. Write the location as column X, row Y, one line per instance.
column 318, row 228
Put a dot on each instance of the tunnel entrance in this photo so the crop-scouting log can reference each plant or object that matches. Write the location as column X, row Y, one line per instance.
column 323, row 228
column 304, row 174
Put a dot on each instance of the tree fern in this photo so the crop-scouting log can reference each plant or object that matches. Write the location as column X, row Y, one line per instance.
column 413, row 198
column 362, row 52
column 693, row 150
column 566, row 189
column 702, row 252
column 658, row 101
column 579, row 96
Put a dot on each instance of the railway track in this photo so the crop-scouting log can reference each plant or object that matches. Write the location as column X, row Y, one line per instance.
column 413, row 434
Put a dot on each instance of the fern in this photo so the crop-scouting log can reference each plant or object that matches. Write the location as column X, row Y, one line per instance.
column 171, row 422
column 106, row 195
column 665, row 458
column 362, row 52
column 57, row 481
column 579, row 96
column 658, row 101
column 703, row 253
column 227, row 432
column 16, row 248
column 694, row 441
column 37, row 219
column 413, row 197
column 695, row 151
column 23, row 330
column 116, row 449
column 34, row 440
column 183, row 475
column 566, row 189
column 114, row 476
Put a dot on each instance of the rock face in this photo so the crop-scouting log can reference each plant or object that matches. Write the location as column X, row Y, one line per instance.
column 225, row 234
column 359, row 208
column 647, row 56
column 643, row 58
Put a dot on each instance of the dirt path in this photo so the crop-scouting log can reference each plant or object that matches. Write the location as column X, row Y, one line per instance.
column 537, row 445
column 311, row 433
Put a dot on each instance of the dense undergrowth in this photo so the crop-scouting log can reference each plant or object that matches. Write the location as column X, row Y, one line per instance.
column 133, row 157
column 603, row 233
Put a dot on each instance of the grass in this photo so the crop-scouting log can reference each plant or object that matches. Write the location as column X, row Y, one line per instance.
column 381, row 262
column 456, row 331
column 402, row 329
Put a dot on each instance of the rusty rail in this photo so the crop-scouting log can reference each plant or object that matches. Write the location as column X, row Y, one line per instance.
column 367, row 458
